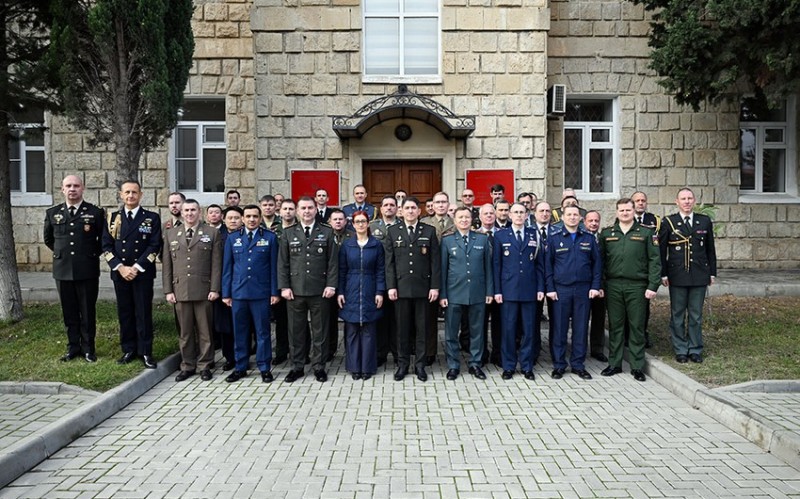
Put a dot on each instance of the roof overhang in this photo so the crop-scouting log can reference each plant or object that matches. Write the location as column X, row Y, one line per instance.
column 404, row 105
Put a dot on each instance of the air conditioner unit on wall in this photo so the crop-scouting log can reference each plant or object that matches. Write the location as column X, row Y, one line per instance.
column 557, row 100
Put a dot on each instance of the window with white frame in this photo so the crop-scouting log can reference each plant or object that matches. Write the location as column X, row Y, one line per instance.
column 198, row 147
column 26, row 147
column 765, row 136
column 401, row 38
column 590, row 146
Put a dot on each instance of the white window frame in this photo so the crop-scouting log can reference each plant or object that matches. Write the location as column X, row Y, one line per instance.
column 402, row 78
column 204, row 198
column 790, row 194
column 613, row 145
column 22, row 197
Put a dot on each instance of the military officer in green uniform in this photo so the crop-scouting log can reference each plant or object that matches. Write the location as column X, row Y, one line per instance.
column 632, row 272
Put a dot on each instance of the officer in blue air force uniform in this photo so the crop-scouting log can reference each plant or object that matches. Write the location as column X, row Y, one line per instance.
column 573, row 268
column 518, row 285
column 131, row 243
column 249, row 286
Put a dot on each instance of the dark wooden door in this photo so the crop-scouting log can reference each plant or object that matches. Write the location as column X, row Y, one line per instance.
column 421, row 179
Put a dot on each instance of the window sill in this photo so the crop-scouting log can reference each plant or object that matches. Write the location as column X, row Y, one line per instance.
column 769, row 198
column 31, row 199
column 206, row 198
column 416, row 80
column 595, row 196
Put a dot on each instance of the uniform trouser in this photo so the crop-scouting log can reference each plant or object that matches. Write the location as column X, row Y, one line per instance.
column 597, row 327
column 361, row 347
column 245, row 313
column 493, row 315
column 411, row 316
column 646, row 322
column 78, row 306
column 452, row 326
column 195, row 340
column 573, row 303
column 516, row 314
column 135, row 312
column 537, row 335
column 387, row 331
column 686, row 301
column 626, row 304
column 299, row 310
column 332, row 342
column 432, row 330
column 223, row 326
column 281, row 329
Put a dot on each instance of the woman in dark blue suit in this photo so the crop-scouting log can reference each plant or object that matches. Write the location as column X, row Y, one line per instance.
column 362, row 283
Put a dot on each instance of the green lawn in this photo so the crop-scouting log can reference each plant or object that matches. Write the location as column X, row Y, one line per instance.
column 31, row 348
column 745, row 339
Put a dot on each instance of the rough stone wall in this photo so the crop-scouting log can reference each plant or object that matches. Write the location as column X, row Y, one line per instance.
column 223, row 66
column 308, row 69
column 600, row 48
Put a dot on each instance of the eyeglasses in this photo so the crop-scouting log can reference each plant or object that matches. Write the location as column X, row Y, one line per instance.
column 359, row 221
column 468, row 195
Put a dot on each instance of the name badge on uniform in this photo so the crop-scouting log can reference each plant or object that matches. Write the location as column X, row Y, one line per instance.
column 532, row 243
column 260, row 242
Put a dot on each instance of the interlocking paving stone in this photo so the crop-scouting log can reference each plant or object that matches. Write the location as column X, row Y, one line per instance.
column 21, row 415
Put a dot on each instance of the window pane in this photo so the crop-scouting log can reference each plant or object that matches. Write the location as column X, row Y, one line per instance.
column 747, row 159
column 601, row 135
column 215, row 134
column 774, row 162
column 34, row 137
column 773, row 135
column 186, row 143
column 382, row 43
column 34, row 171
column 600, row 170
column 203, row 110
column 187, row 174
column 213, row 170
column 16, row 178
column 589, row 111
column 573, row 158
column 421, row 46
column 13, row 148
column 421, row 5
column 381, row 6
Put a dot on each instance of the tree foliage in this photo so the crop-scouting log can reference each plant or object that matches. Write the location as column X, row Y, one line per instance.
column 123, row 66
column 717, row 49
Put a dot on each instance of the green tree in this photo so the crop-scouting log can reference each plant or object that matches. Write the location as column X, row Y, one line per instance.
column 123, row 66
column 716, row 49
column 25, row 84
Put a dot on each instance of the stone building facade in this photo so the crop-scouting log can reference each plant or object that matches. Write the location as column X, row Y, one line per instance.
column 304, row 86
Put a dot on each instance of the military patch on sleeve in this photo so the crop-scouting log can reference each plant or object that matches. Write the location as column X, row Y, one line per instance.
column 108, row 256
column 655, row 239
column 151, row 257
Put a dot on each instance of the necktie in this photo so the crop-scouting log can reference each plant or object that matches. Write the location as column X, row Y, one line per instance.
column 189, row 234
column 519, row 237
column 130, row 216
column 543, row 232
column 466, row 240
column 639, row 219
column 308, row 232
column 410, row 231
column 688, row 224
column 72, row 211
column 250, row 236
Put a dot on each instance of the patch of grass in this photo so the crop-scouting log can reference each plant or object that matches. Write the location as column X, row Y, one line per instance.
column 745, row 339
column 31, row 348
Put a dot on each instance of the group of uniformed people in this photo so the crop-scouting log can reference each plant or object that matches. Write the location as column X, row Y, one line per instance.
column 388, row 273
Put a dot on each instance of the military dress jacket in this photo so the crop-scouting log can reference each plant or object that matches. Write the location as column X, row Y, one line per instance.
column 250, row 268
column 570, row 262
column 688, row 255
column 194, row 269
column 632, row 257
column 413, row 266
column 130, row 243
column 308, row 265
column 518, row 268
column 444, row 226
column 466, row 269
column 76, row 241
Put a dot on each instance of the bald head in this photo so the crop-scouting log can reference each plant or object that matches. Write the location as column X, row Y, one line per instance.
column 72, row 187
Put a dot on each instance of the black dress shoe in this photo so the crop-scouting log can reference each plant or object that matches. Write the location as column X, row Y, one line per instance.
column 205, row 375
column 184, row 375
column 294, row 375
column 69, row 356
column 681, row 359
column 149, row 362
column 126, row 358
column 400, row 373
column 557, row 373
column 638, row 375
column 266, row 377
column 366, row 376
column 452, row 374
column 610, row 371
column 421, row 374
column 477, row 372
column 90, row 357
column 600, row 356
column 279, row 359
column 430, row 360
column 529, row 375
column 356, row 375
column 507, row 374
column 321, row 375
column 228, row 365
column 235, row 376
column 582, row 373
column 696, row 358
